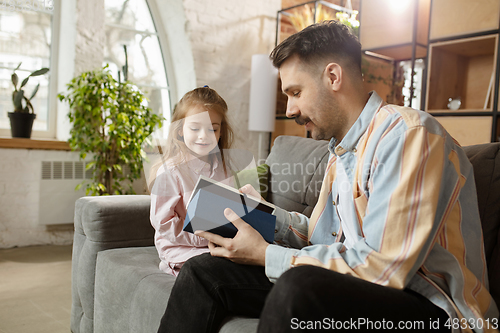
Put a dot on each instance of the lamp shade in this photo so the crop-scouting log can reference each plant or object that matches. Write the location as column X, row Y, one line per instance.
column 263, row 86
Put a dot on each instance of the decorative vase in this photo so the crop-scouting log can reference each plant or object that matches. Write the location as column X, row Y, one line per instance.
column 21, row 124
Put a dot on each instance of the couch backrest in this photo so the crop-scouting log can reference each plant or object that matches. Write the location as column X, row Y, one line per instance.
column 297, row 166
column 485, row 160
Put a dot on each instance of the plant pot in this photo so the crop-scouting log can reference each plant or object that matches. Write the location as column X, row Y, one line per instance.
column 21, row 124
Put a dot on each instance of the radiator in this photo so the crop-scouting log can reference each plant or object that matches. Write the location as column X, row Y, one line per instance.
column 57, row 190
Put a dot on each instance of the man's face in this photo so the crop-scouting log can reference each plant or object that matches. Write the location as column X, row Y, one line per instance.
column 310, row 100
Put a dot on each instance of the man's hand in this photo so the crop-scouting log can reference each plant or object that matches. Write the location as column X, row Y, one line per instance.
column 251, row 192
column 247, row 247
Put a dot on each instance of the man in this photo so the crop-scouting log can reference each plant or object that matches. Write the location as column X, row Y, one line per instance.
column 394, row 241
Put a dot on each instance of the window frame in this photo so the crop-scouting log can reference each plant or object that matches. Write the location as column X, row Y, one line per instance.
column 155, row 34
column 50, row 133
column 170, row 21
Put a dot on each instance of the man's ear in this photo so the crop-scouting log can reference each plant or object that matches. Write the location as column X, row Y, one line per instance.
column 334, row 73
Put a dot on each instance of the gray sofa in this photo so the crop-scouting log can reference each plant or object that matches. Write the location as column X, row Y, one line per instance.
column 116, row 283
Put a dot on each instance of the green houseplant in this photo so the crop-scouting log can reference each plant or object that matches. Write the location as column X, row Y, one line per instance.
column 110, row 121
column 23, row 116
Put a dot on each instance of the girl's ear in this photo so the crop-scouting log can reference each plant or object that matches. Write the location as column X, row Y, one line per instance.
column 180, row 134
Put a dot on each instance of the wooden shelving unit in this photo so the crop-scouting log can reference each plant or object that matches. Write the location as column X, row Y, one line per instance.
column 463, row 63
column 465, row 69
column 468, row 130
column 455, row 18
column 398, row 30
column 459, row 41
column 395, row 31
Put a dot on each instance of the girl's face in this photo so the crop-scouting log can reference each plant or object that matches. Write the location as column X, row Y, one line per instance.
column 201, row 131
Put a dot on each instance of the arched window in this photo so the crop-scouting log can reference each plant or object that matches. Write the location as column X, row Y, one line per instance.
column 25, row 36
column 129, row 23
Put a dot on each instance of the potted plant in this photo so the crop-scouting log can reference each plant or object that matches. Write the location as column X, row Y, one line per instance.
column 21, row 120
column 110, row 121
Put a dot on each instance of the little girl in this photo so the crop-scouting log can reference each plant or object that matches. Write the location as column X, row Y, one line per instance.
column 197, row 137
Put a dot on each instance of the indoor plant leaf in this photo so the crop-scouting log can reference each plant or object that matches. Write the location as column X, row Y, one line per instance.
column 18, row 99
column 35, row 91
column 40, row 72
column 25, row 81
column 15, row 80
column 110, row 121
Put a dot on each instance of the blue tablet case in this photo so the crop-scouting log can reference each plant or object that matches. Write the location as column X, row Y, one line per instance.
column 206, row 212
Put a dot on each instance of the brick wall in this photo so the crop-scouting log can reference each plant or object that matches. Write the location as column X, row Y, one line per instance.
column 287, row 27
column 224, row 35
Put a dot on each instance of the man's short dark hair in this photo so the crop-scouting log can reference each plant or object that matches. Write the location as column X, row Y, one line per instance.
column 325, row 40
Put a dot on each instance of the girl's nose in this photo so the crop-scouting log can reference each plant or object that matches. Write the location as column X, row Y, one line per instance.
column 205, row 134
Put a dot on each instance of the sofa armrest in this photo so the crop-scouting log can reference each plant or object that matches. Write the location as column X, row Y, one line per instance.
column 103, row 223
column 115, row 218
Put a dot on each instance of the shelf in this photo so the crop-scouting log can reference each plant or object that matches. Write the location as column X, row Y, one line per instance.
column 462, row 68
column 468, row 130
column 389, row 29
column 461, row 112
column 401, row 52
column 474, row 16
column 19, row 143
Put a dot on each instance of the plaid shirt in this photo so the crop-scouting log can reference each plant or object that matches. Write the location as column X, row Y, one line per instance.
column 413, row 211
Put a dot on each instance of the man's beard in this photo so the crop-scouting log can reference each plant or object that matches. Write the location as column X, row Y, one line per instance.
column 301, row 120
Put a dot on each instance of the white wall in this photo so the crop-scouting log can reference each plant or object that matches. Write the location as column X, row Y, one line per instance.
column 223, row 35
column 20, row 174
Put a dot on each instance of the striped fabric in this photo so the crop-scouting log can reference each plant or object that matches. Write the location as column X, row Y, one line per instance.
column 415, row 208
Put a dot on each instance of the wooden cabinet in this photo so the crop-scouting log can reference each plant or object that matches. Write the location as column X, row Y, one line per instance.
column 459, row 41
column 464, row 69
column 468, row 130
column 462, row 64
column 451, row 18
column 395, row 30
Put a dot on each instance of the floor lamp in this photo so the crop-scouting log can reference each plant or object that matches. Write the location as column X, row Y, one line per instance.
column 262, row 108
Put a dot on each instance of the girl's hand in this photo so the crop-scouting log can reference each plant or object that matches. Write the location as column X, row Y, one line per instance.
column 247, row 247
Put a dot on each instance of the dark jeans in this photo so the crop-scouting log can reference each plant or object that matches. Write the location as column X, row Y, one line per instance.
column 305, row 298
column 208, row 289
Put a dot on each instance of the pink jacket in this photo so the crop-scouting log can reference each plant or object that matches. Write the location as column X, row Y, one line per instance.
column 169, row 198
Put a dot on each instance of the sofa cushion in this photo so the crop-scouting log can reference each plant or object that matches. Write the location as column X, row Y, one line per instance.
column 124, row 277
column 485, row 160
column 132, row 291
column 294, row 185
